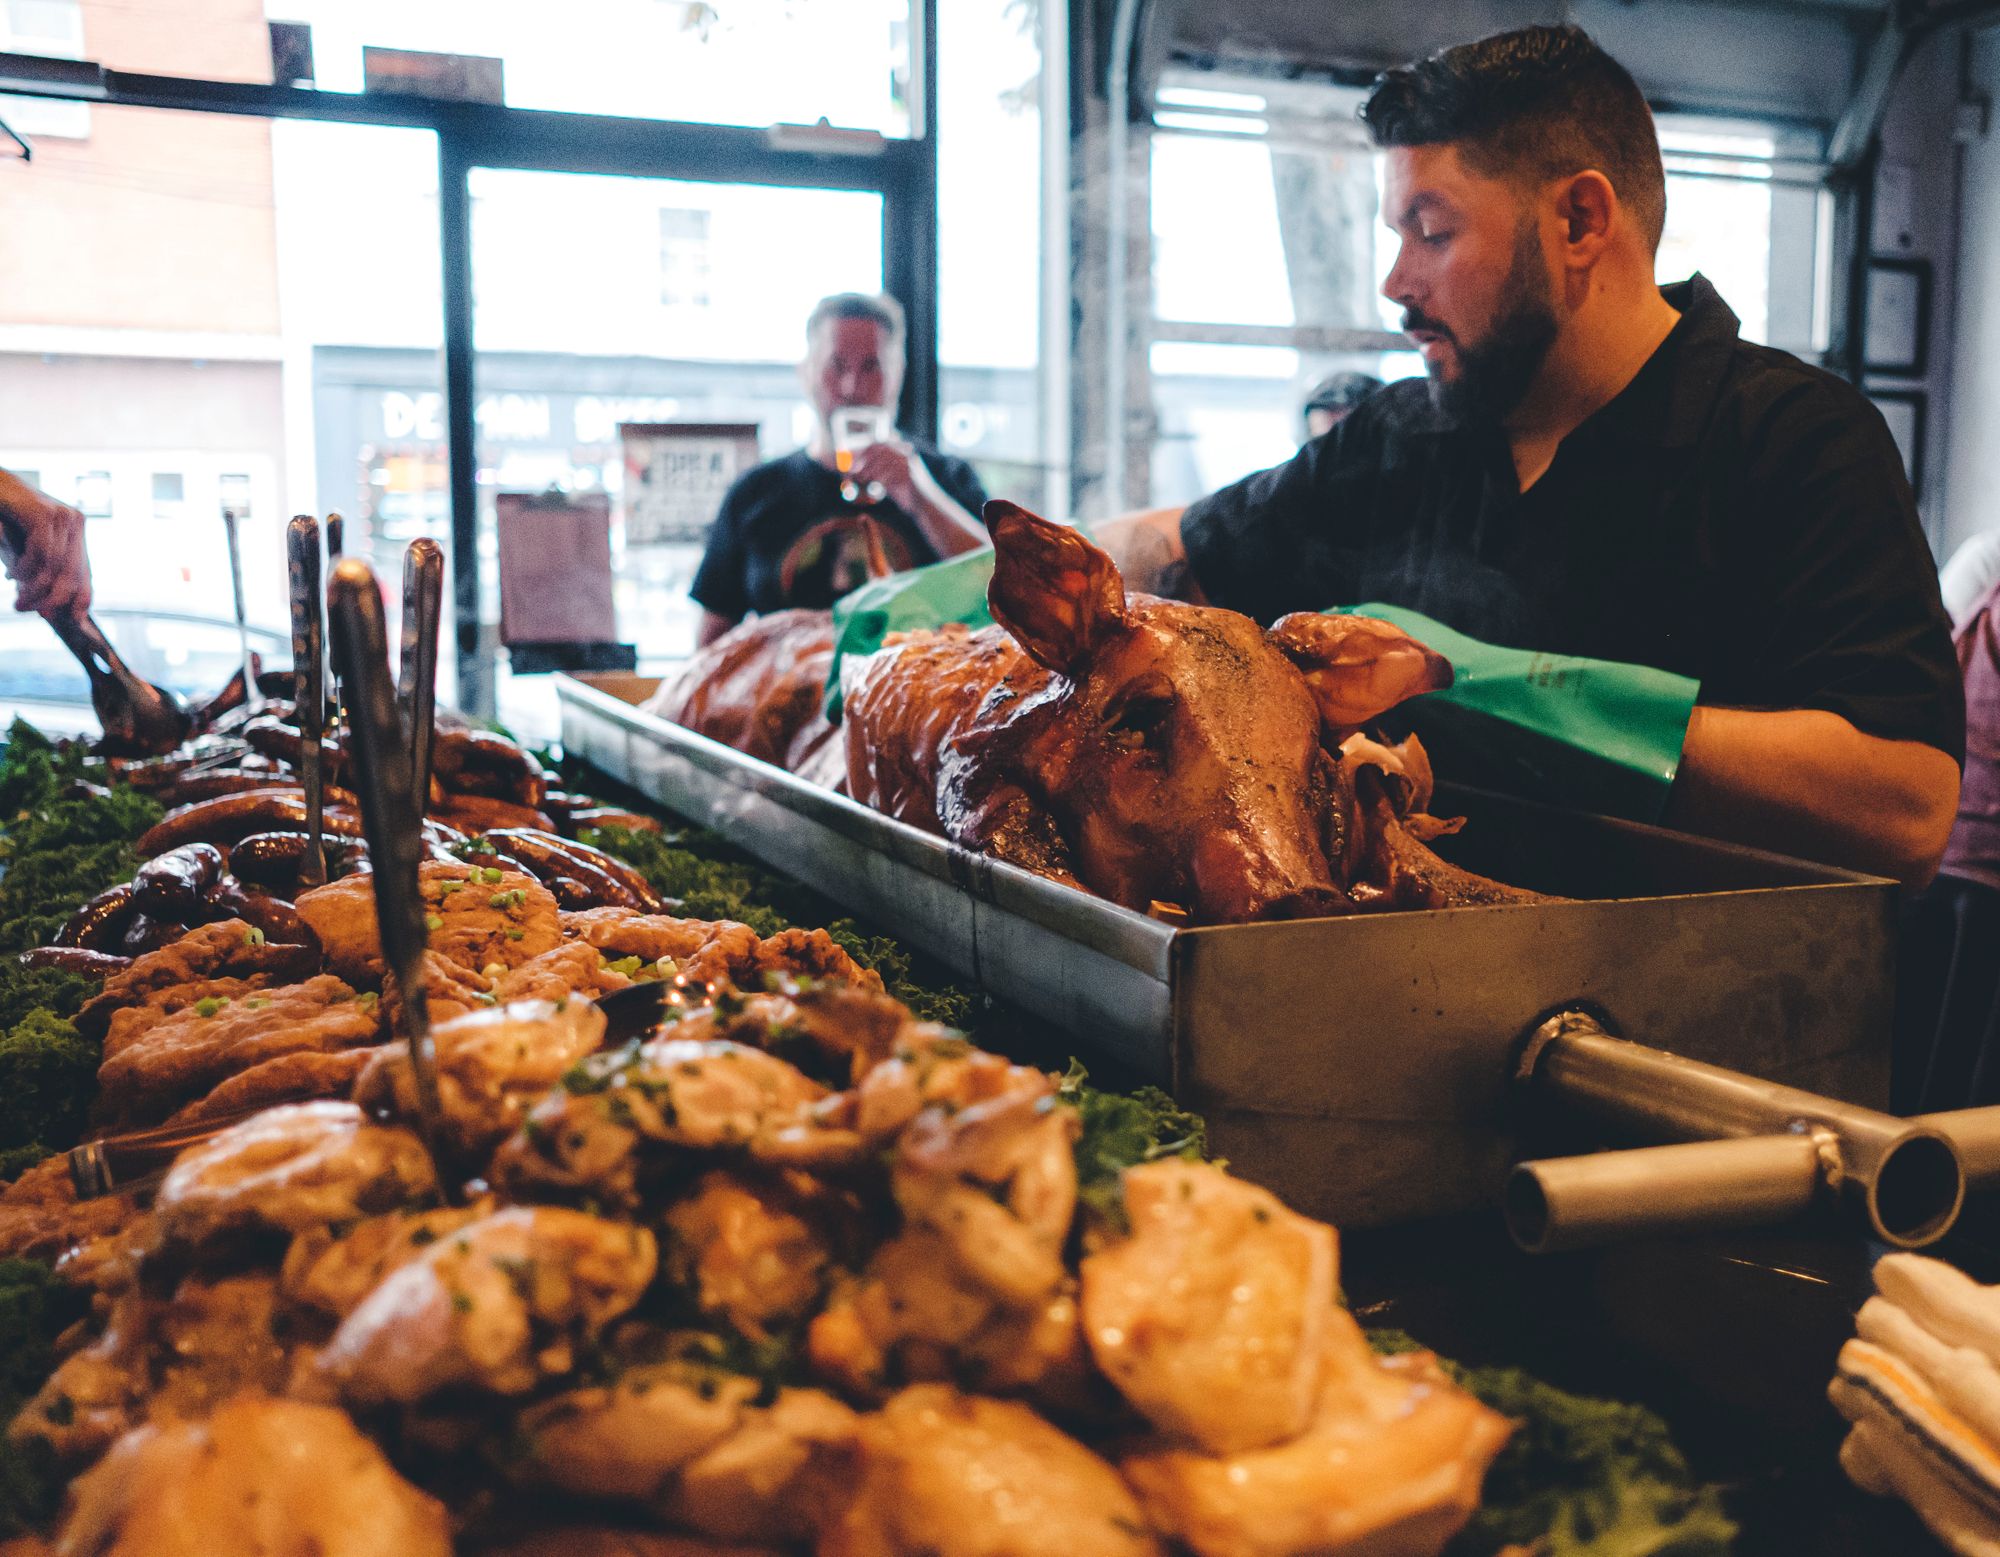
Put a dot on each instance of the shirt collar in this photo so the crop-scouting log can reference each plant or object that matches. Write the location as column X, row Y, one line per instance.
column 1668, row 402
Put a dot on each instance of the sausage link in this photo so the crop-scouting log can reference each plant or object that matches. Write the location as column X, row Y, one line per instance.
column 610, row 816
column 544, row 855
column 274, row 738
column 171, row 885
column 144, row 933
column 227, row 818
column 477, row 813
column 98, row 925
column 275, row 916
column 75, row 959
column 634, row 882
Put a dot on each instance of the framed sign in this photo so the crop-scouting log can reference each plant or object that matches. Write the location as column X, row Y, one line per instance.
column 555, row 567
column 1903, row 410
column 676, row 474
column 1899, row 317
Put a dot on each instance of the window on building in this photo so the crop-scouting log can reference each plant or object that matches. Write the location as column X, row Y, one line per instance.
column 169, row 494
column 93, row 494
column 684, row 257
column 52, row 29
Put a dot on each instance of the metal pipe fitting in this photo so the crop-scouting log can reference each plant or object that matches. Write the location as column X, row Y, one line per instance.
column 1901, row 1178
column 1976, row 1134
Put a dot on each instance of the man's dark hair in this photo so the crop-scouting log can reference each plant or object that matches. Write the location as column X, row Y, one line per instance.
column 878, row 306
column 1539, row 103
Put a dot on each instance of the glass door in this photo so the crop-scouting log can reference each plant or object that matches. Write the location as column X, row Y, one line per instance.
column 604, row 301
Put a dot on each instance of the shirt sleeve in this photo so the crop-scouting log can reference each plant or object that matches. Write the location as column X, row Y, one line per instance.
column 1273, row 542
column 959, row 479
column 720, row 584
column 1841, row 596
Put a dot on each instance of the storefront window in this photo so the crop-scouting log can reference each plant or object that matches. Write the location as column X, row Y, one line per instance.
column 177, row 292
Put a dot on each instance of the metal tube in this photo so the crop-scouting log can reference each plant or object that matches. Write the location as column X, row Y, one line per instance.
column 416, row 691
column 1658, row 1191
column 1976, row 1134
column 253, row 699
column 1903, row 1179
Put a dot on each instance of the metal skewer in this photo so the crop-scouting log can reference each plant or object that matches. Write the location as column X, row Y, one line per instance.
column 253, row 698
column 308, row 664
column 389, row 816
column 336, row 532
column 416, row 690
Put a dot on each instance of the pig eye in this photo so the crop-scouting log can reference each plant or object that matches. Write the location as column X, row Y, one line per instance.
column 1141, row 720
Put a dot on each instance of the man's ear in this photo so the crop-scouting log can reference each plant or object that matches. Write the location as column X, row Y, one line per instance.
column 1586, row 206
column 1357, row 667
column 1058, row 595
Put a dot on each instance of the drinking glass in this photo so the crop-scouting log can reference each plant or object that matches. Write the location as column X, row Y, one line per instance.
column 854, row 428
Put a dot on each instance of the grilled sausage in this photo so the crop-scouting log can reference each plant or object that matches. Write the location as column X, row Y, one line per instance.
column 478, row 762
column 610, row 816
column 275, row 916
column 99, row 924
column 542, row 856
column 271, row 860
column 172, row 885
column 224, row 820
column 75, row 959
column 281, row 741
column 477, row 813
column 144, row 933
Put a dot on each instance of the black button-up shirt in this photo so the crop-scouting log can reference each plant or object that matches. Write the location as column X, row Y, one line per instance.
column 1733, row 515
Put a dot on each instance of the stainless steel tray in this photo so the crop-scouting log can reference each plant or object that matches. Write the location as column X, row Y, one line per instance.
column 1358, row 1065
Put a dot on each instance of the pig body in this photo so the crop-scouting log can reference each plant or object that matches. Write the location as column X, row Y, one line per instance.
column 1150, row 751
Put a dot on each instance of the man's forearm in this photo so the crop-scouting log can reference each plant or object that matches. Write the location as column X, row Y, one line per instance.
column 1805, row 781
column 1149, row 551
column 945, row 523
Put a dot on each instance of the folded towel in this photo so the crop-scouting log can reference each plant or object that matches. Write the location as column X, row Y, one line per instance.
column 1909, row 1443
column 1964, row 1379
column 1943, row 1299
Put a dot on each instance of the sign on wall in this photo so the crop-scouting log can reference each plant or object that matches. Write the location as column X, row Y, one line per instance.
column 676, row 474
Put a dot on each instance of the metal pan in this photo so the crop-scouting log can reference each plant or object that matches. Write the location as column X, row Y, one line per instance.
column 1358, row 1066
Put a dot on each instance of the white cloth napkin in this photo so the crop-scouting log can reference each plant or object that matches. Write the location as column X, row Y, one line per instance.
column 1921, row 1385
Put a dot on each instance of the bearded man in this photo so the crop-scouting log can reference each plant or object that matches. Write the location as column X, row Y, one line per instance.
column 1598, row 465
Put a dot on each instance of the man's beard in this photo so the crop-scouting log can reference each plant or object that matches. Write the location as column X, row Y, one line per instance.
column 1494, row 374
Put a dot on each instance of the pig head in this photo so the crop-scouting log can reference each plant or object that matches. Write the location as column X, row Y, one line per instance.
column 1150, row 751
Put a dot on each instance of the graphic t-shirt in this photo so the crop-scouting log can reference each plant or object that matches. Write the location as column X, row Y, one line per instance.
column 784, row 536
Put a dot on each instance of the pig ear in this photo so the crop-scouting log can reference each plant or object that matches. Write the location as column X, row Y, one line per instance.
column 1357, row 667
column 1056, row 593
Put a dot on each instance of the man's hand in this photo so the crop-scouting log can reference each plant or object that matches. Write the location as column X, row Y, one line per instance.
column 895, row 466
column 51, row 573
column 1804, row 781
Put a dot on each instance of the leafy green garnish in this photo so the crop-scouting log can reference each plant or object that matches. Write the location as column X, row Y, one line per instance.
column 1581, row 1477
column 1120, row 1131
column 48, row 1072
column 34, row 1308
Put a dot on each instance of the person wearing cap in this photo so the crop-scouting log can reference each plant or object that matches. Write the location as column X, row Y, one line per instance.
column 1333, row 398
column 788, row 534
column 51, row 574
column 1599, row 465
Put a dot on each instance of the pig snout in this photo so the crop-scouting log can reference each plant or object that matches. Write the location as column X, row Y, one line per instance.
column 1238, row 878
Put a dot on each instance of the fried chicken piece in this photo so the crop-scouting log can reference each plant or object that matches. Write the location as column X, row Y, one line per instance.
column 449, row 991
column 289, row 1168
column 225, row 950
column 216, row 1338
column 98, row 1391
column 585, row 1136
column 333, row 1269
column 493, row 1064
column 290, row 1078
column 496, row 1306
column 259, row 1477
column 1212, row 1318
column 689, row 1440
column 191, row 1051
column 574, row 968
column 718, row 951
column 754, row 1249
column 133, row 1023
column 485, row 915
column 1389, row 1466
column 40, row 1216
column 950, row 1475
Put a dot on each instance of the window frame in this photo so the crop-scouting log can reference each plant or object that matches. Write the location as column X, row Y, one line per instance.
column 901, row 170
